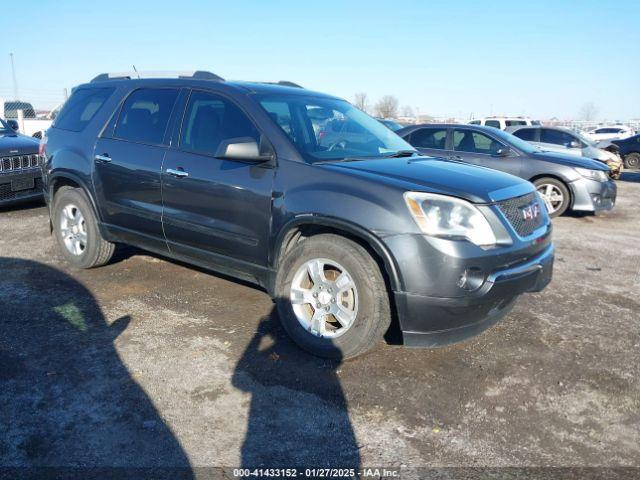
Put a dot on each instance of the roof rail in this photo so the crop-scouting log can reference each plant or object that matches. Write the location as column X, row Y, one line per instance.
column 197, row 75
column 283, row 83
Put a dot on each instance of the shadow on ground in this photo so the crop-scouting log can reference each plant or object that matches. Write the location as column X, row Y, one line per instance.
column 66, row 399
column 298, row 413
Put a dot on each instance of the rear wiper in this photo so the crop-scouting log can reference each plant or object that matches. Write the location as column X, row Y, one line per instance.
column 401, row 154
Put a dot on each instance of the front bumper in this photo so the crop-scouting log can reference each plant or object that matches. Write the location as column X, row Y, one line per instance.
column 428, row 321
column 11, row 190
column 592, row 196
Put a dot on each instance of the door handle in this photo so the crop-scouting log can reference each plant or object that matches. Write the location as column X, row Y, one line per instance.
column 179, row 173
column 103, row 158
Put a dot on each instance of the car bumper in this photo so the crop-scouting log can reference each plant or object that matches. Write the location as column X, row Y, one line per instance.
column 434, row 321
column 592, row 196
column 11, row 186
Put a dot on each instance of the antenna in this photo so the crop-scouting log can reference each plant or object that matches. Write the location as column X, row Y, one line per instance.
column 136, row 70
column 15, row 82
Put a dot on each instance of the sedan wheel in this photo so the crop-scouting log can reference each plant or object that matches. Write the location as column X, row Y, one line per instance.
column 552, row 196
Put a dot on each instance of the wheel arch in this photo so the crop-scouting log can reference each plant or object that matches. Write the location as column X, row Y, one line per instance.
column 58, row 180
column 558, row 178
column 309, row 225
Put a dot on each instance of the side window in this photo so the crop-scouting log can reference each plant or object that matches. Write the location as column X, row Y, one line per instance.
column 475, row 122
column 492, row 123
column 209, row 120
column 429, row 138
column 514, row 123
column 555, row 137
column 474, row 142
column 81, row 107
column 526, row 134
column 145, row 115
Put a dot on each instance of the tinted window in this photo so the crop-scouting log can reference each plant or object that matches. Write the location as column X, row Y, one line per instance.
column 556, row 137
column 145, row 115
column 81, row 107
column 210, row 120
column 528, row 134
column 474, row 142
column 514, row 123
column 11, row 109
column 475, row 122
column 492, row 123
column 429, row 138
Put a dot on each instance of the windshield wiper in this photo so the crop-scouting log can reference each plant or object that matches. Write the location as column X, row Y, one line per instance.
column 401, row 154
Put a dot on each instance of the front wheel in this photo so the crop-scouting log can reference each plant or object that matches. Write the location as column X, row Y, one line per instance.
column 555, row 194
column 76, row 230
column 331, row 297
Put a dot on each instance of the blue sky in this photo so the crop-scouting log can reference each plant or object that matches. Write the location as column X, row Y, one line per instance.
column 539, row 58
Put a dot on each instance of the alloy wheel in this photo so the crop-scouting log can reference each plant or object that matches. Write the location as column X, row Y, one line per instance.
column 73, row 229
column 324, row 298
column 552, row 196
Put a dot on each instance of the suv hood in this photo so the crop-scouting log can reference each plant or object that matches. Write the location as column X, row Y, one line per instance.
column 435, row 175
column 23, row 144
column 570, row 160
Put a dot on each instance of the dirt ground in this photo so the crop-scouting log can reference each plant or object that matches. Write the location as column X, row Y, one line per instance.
column 151, row 363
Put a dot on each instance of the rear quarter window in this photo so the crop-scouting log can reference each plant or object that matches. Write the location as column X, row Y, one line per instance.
column 81, row 107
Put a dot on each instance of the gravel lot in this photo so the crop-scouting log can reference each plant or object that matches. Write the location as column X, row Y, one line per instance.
column 148, row 362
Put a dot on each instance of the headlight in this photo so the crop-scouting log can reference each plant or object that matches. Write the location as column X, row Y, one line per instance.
column 450, row 217
column 597, row 175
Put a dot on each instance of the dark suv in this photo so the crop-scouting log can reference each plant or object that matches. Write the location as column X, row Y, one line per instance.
column 345, row 232
column 20, row 177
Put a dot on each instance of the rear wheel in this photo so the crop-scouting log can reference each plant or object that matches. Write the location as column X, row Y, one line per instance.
column 331, row 297
column 555, row 194
column 632, row 160
column 76, row 230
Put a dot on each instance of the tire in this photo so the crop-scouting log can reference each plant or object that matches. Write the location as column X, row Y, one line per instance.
column 367, row 302
column 547, row 184
column 82, row 246
column 632, row 160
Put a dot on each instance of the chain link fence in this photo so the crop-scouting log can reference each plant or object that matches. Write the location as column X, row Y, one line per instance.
column 31, row 110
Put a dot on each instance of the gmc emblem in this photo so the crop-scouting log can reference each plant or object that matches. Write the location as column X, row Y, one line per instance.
column 531, row 211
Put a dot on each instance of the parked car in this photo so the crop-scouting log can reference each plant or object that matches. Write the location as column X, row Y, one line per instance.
column 629, row 149
column 502, row 123
column 33, row 126
column 233, row 176
column 20, row 175
column 564, row 140
column 390, row 124
column 614, row 132
column 564, row 181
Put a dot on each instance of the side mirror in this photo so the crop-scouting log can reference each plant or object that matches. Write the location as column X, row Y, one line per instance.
column 575, row 144
column 14, row 125
column 242, row 148
column 502, row 152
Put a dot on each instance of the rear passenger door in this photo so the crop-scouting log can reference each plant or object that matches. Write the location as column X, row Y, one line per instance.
column 216, row 210
column 128, row 162
column 481, row 149
column 429, row 141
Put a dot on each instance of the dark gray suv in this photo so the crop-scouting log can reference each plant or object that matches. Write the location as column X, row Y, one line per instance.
column 564, row 181
column 345, row 230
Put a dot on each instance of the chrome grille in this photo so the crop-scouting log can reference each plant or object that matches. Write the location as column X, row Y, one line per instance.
column 19, row 162
column 512, row 210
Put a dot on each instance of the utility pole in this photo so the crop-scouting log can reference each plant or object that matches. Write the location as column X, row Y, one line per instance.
column 15, row 82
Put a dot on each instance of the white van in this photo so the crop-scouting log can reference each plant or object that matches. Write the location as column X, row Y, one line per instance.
column 504, row 122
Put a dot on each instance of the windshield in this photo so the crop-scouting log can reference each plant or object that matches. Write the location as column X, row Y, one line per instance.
column 325, row 129
column 516, row 142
